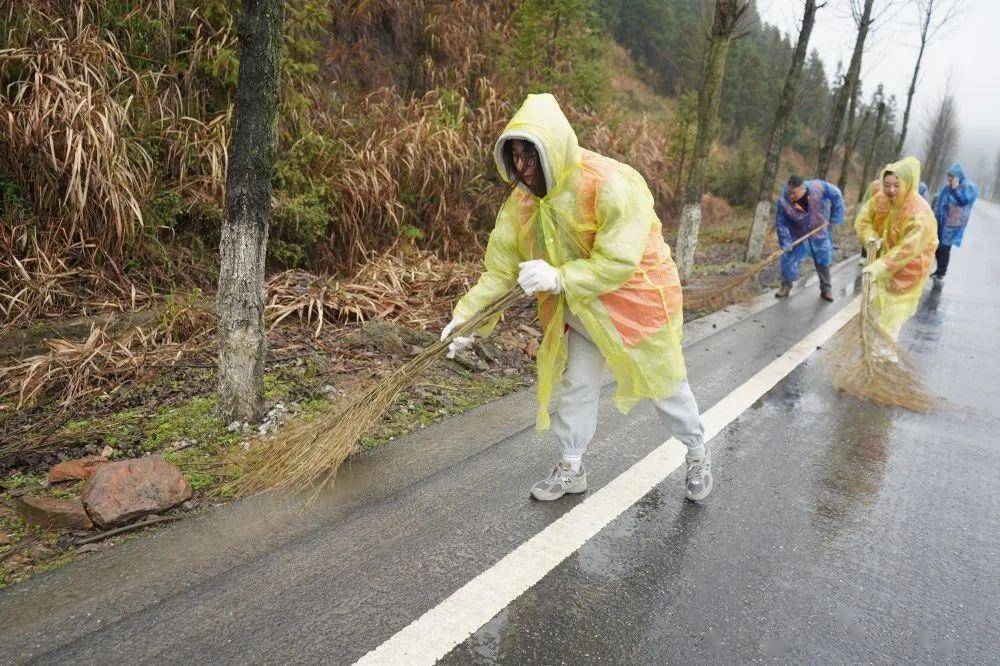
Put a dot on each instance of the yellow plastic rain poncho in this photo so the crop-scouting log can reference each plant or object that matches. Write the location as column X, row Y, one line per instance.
column 908, row 231
column 597, row 226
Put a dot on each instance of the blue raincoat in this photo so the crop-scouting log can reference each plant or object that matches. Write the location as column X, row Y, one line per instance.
column 791, row 222
column 953, row 207
column 922, row 190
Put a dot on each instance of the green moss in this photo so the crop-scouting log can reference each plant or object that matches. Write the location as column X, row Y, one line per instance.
column 15, row 481
column 114, row 429
column 194, row 419
column 277, row 389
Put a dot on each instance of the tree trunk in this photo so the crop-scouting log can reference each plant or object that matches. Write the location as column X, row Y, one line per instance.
column 840, row 102
column 762, row 215
column 866, row 172
column 850, row 137
column 240, row 301
column 849, row 151
column 727, row 16
column 941, row 142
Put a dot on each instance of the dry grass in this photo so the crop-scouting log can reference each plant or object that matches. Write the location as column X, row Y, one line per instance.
column 416, row 292
column 70, row 139
column 411, row 291
column 308, row 453
column 71, row 370
column 865, row 361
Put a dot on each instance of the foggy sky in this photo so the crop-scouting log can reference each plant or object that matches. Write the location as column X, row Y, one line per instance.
column 966, row 55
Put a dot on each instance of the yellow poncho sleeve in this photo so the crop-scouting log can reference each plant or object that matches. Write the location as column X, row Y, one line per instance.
column 501, row 262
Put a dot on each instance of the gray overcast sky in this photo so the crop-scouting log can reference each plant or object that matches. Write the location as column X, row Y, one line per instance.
column 966, row 54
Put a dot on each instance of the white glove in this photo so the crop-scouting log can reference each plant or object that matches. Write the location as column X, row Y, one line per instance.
column 459, row 343
column 538, row 275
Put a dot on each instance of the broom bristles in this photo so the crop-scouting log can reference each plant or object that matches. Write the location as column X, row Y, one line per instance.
column 307, row 454
column 738, row 288
column 867, row 362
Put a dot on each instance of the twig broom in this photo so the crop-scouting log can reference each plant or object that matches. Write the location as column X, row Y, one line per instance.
column 865, row 361
column 306, row 454
column 737, row 288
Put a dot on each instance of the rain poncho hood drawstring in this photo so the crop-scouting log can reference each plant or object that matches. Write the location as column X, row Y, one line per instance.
column 597, row 226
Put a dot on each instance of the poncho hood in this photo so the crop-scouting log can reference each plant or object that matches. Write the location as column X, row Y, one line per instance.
column 542, row 122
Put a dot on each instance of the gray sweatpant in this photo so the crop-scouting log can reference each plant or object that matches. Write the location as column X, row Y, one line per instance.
column 575, row 419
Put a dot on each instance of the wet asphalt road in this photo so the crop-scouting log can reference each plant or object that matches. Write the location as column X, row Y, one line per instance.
column 838, row 532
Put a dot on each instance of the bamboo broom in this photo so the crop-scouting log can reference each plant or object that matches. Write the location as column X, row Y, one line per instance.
column 865, row 361
column 307, row 453
column 738, row 288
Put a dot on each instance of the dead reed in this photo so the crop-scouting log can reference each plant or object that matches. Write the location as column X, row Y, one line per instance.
column 866, row 362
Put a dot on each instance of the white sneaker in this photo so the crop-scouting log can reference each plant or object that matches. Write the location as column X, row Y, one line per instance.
column 699, row 476
column 560, row 481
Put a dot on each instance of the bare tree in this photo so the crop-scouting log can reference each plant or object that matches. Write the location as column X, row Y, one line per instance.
column 850, row 135
column 864, row 21
column 866, row 172
column 727, row 17
column 850, row 145
column 240, row 301
column 762, row 215
column 941, row 142
column 934, row 16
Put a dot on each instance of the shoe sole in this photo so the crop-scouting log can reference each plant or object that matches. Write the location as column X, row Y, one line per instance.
column 549, row 497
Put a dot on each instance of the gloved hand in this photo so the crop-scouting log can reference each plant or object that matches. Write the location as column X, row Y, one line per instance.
column 873, row 244
column 785, row 247
column 877, row 269
column 459, row 343
column 538, row 275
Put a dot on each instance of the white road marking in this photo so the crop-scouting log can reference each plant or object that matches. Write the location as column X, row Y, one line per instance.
column 436, row 632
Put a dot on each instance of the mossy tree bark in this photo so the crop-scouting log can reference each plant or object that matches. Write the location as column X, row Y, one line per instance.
column 786, row 102
column 727, row 17
column 243, row 246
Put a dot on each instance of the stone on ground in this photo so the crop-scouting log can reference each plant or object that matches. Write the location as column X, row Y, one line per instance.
column 119, row 492
column 76, row 470
column 53, row 514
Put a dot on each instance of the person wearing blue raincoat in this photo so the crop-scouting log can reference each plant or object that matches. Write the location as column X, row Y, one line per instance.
column 922, row 190
column 952, row 209
column 803, row 206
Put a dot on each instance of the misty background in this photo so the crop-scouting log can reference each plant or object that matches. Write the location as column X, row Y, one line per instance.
column 963, row 57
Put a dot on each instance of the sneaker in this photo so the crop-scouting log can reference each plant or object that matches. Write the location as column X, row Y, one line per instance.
column 784, row 291
column 826, row 294
column 699, row 477
column 562, row 480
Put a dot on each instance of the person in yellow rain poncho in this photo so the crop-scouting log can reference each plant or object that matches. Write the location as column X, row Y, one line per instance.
column 579, row 232
column 902, row 222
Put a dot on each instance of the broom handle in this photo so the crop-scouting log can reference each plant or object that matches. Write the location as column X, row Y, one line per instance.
column 777, row 253
column 799, row 241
